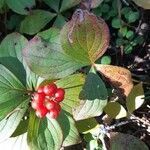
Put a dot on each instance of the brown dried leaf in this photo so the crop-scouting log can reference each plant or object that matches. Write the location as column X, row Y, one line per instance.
column 119, row 77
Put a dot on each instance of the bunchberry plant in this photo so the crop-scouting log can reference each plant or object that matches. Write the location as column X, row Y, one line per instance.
column 46, row 97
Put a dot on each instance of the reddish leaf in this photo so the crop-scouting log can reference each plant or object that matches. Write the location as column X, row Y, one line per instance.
column 118, row 76
column 85, row 37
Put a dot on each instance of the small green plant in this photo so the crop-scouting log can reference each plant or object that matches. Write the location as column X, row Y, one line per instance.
column 122, row 18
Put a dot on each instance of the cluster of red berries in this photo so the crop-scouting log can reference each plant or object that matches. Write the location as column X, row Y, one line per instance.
column 47, row 99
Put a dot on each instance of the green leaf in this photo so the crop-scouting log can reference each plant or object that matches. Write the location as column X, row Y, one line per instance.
column 120, row 141
column 21, row 7
column 33, row 129
column 45, row 134
column 115, row 110
column 2, row 2
column 21, row 128
column 60, row 21
column 125, row 10
column 143, row 3
column 51, row 60
column 88, row 137
column 46, row 58
column 123, row 31
column 105, row 8
column 128, row 49
column 94, row 145
column 132, row 16
column 106, row 60
column 130, row 35
column 9, row 124
column 12, row 92
column 72, row 85
column 116, row 23
column 35, row 21
column 84, row 126
column 85, row 38
column 70, row 132
column 11, row 55
column 15, row 143
column 54, row 4
column 14, row 22
column 119, row 41
column 135, row 98
column 50, row 135
column 93, row 97
column 97, row 11
column 68, row 4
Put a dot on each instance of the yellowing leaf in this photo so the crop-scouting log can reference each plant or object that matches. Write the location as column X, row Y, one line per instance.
column 135, row 98
column 85, row 37
column 119, row 77
column 143, row 3
column 115, row 110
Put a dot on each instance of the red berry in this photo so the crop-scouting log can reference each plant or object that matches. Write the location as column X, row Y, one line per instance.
column 59, row 95
column 39, row 97
column 40, row 89
column 50, row 105
column 50, row 89
column 41, row 112
column 36, row 105
column 53, row 113
column 58, row 107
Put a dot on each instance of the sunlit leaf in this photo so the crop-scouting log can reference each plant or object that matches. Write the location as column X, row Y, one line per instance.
column 33, row 129
column 45, row 134
column 115, row 110
column 72, row 85
column 21, row 128
column 85, row 37
column 119, row 77
column 143, row 3
column 46, row 58
column 10, row 54
column 93, row 97
column 84, row 126
column 10, row 123
column 12, row 92
column 11, row 57
column 70, row 132
column 16, row 143
column 58, row 59
column 135, row 98
column 93, row 145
